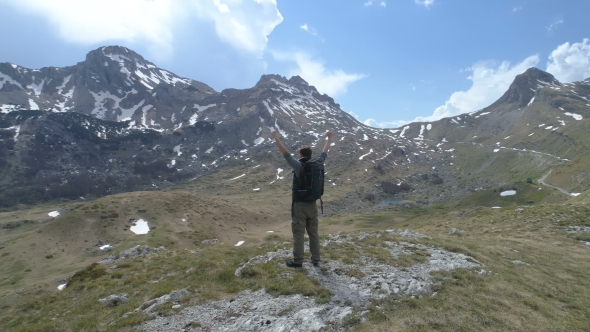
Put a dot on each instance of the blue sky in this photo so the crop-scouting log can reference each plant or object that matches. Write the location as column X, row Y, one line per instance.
column 386, row 62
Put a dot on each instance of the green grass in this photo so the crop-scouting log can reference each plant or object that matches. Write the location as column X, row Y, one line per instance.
column 76, row 308
column 551, row 293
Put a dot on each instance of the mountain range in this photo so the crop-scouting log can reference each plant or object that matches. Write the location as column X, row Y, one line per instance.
column 116, row 122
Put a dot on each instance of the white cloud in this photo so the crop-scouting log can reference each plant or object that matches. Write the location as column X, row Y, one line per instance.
column 569, row 63
column 386, row 124
column 425, row 3
column 554, row 25
column 331, row 82
column 309, row 29
column 488, row 84
column 244, row 24
column 373, row 2
column 353, row 114
column 95, row 21
column 516, row 9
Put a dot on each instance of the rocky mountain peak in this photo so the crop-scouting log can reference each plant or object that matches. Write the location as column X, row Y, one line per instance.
column 524, row 86
column 267, row 78
column 295, row 81
column 534, row 75
column 123, row 55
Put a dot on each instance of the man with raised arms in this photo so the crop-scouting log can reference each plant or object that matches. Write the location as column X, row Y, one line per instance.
column 304, row 215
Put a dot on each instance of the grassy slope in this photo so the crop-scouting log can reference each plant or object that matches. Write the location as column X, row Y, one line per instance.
column 37, row 255
column 551, row 291
column 538, row 281
column 573, row 176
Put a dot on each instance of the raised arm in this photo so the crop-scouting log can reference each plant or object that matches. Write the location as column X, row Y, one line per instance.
column 282, row 148
column 328, row 142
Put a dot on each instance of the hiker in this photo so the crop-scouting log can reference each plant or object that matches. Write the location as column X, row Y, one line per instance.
column 304, row 215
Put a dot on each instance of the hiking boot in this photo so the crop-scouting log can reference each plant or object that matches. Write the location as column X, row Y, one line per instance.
column 315, row 264
column 293, row 264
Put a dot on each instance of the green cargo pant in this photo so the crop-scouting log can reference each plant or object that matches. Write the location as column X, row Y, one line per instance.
column 305, row 217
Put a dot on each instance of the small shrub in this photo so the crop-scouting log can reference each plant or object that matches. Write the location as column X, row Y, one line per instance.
column 272, row 237
column 92, row 272
column 351, row 320
column 250, row 272
column 375, row 315
column 355, row 273
column 193, row 324
column 392, row 188
column 226, row 276
column 437, row 181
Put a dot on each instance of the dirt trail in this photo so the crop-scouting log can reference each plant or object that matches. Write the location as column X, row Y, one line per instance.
column 542, row 181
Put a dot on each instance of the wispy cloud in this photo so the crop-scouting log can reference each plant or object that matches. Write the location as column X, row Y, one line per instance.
column 373, row 2
column 244, row 25
column 489, row 82
column 385, row 124
column 554, row 25
column 516, row 9
column 425, row 3
column 376, row 124
column 309, row 29
column 331, row 82
column 570, row 62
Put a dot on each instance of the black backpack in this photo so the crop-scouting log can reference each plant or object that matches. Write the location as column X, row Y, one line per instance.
column 308, row 186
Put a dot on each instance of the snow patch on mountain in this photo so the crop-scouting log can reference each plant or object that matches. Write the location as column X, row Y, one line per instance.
column 363, row 156
column 574, row 115
column 5, row 79
column 178, row 150
column 126, row 113
column 268, row 108
column 37, row 88
column 202, row 108
column 100, row 100
column 33, row 105
column 404, row 131
column 145, row 109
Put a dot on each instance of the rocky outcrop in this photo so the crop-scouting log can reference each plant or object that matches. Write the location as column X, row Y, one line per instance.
column 137, row 251
column 352, row 286
column 255, row 311
column 115, row 299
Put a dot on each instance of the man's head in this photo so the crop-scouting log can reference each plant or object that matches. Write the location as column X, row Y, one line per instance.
column 305, row 152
